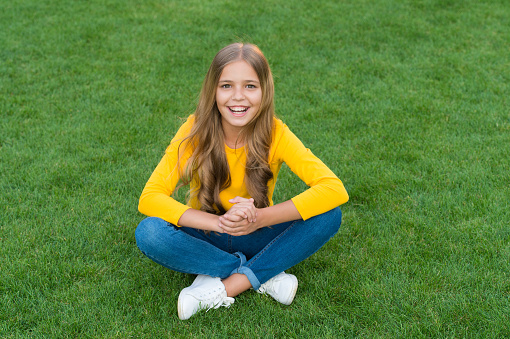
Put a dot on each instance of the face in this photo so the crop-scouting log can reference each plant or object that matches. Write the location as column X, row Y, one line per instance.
column 238, row 96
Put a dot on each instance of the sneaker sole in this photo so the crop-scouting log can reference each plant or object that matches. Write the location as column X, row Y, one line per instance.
column 293, row 292
column 179, row 309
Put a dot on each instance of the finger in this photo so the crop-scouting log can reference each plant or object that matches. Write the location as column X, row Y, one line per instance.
column 230, row 230
column 238, row 199
column 237, row 212
column 236, row 232
column 236, row 227
column 250, row 212
column 248, row 209
column 228, row 224
column 243, row 211
column 234, row 216
column 233, row 227
column 239, row 231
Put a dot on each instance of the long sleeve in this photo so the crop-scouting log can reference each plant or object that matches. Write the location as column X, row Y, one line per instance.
column 156, row 200
column 325, row 190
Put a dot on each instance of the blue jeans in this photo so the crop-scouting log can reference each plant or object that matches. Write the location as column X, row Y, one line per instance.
column 260, row 255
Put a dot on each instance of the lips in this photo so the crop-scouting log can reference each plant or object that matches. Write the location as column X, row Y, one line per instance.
column 238, row 111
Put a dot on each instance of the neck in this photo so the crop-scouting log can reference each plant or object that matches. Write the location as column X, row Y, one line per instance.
column 232, row 138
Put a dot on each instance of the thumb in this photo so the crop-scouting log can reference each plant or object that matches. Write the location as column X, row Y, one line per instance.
column 236, row 200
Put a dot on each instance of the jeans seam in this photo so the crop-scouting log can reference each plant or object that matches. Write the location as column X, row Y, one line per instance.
column 254, row 259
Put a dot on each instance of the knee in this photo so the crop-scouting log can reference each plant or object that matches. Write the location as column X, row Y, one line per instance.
column 147, row 233
column 331, row 221
column 336, row 216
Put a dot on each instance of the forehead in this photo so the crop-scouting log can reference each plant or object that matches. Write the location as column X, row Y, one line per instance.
column 239, row 71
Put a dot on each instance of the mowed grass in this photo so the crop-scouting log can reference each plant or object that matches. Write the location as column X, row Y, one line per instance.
column 406, row 101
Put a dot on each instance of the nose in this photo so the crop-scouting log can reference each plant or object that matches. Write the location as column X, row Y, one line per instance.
column 238, row 93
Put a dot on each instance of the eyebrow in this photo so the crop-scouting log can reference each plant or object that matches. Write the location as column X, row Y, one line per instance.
column 255, row 81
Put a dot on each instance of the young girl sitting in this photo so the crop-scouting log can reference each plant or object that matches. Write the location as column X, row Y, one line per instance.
column 230, row 152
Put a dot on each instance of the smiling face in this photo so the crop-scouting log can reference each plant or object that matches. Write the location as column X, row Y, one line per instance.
column 238, row 97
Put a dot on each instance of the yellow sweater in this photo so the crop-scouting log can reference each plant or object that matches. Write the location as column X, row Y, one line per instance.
column 325, row 193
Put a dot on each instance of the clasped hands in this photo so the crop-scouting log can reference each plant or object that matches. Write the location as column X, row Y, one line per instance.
column 241, row 218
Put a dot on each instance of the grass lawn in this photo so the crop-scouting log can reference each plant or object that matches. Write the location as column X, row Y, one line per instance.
column 406, row 101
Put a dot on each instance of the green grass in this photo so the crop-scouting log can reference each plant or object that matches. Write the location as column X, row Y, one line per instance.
column 407, row 101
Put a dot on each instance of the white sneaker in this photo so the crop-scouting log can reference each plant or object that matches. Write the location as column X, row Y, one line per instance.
column 205, row 293
column 281, row 287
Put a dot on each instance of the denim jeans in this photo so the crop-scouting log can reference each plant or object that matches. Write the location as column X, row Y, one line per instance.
column 260, row 255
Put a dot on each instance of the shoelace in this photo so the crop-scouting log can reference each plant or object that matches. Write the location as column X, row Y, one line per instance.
column 221, row 301
column 213, row 299
column 268, row 287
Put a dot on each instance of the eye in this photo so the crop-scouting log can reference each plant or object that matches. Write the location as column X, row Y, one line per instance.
column 251, row 86
column 225, row 86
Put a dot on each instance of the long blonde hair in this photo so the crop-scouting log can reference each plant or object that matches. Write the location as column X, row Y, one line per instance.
column 207, row 169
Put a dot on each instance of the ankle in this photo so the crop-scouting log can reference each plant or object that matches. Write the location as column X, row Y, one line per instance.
column 236, row 284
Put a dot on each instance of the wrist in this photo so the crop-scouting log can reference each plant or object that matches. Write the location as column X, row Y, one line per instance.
column 200, row 220
column 214, row 225
column 261, row 220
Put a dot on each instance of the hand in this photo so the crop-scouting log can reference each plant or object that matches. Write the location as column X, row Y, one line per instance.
column 240, row 219
column 243, row 207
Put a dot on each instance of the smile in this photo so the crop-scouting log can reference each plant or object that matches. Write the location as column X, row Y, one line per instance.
column 238, row 111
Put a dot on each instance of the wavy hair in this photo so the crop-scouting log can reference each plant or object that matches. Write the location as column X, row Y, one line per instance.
column 207, row 169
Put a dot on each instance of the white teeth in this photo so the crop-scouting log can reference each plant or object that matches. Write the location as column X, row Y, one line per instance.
column 238, row 109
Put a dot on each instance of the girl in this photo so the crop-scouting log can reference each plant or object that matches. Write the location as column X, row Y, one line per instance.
column 229, row 152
